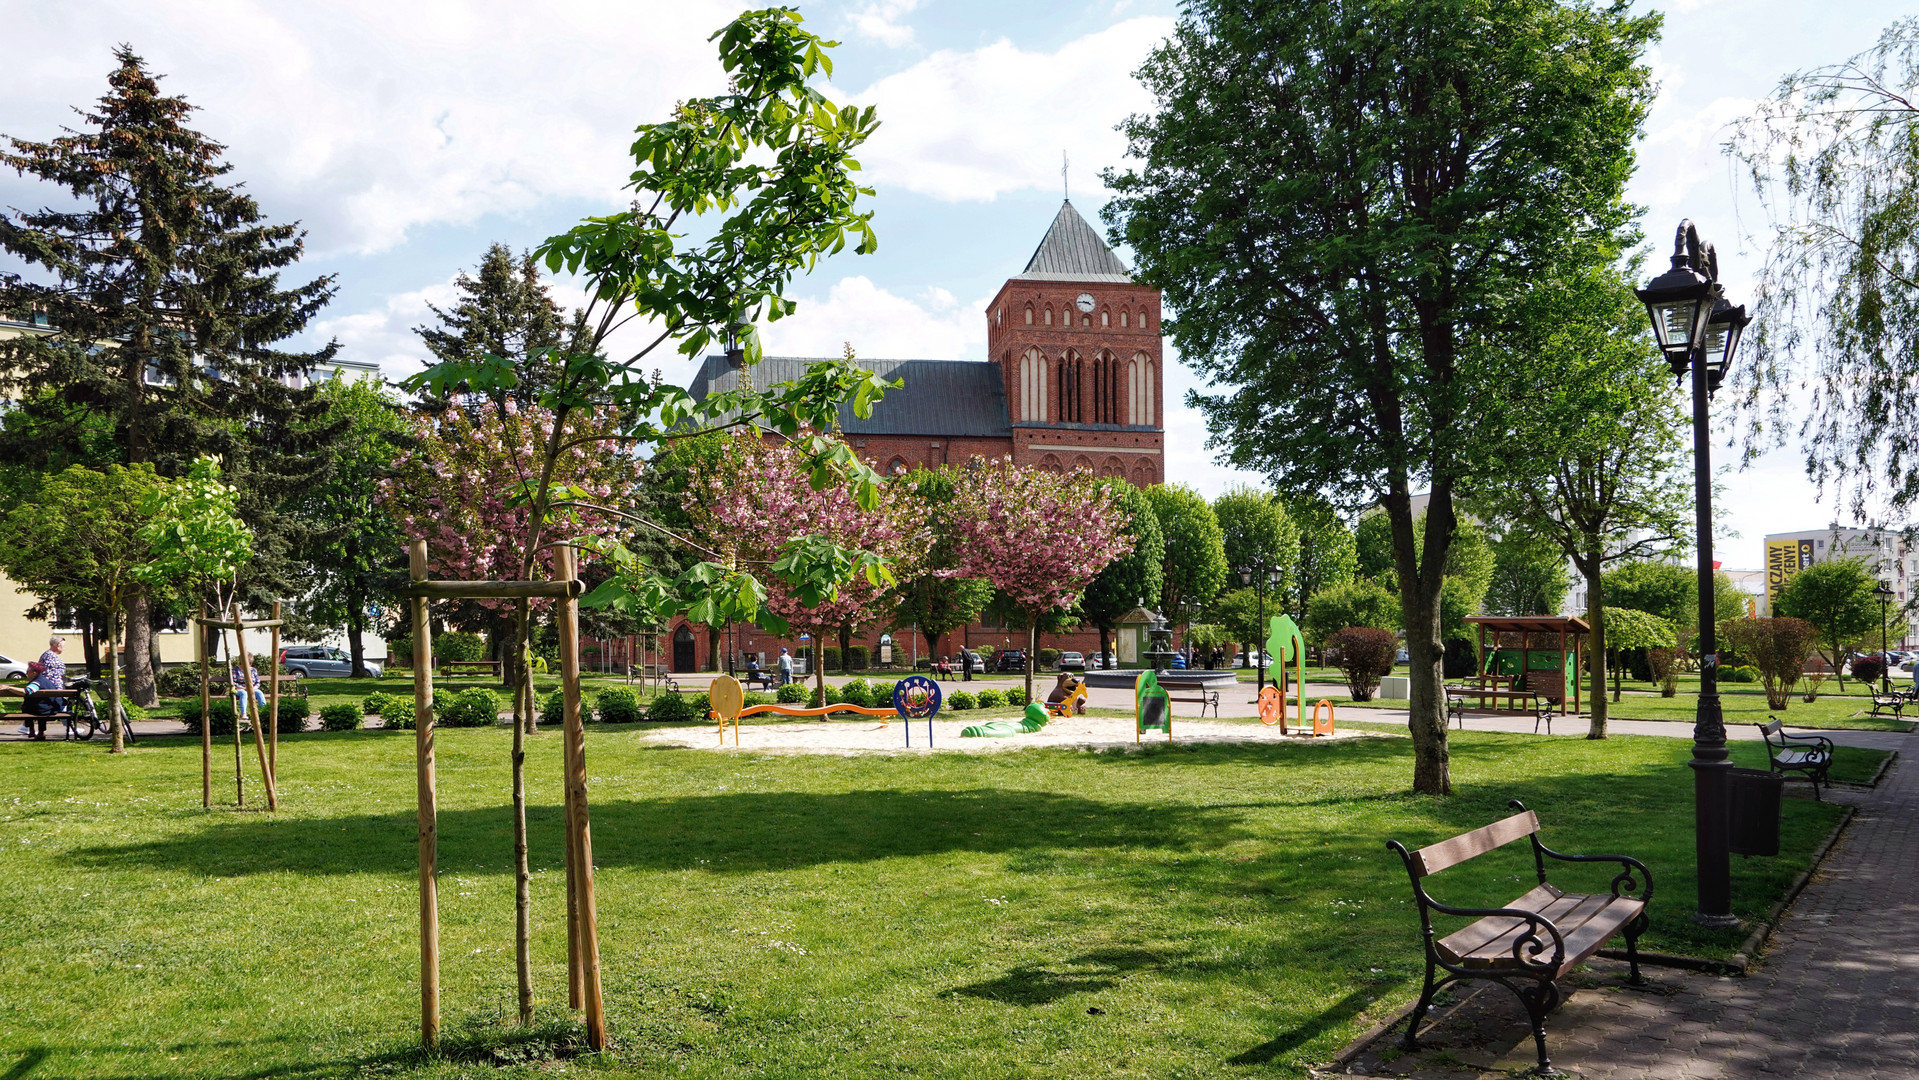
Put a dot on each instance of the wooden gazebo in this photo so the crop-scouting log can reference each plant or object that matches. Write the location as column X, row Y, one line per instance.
column 1526, row 634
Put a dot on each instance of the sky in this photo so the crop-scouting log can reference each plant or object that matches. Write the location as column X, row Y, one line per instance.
column 406, row 137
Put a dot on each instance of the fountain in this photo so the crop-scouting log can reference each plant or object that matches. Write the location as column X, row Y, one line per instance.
column 1159, row 633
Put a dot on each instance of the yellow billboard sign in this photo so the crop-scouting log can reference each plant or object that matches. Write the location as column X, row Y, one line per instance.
column 1784, row 558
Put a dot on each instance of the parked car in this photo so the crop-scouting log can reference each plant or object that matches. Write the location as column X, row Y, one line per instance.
column 12, row 669
column 323, row 662
column 1010, row 660
column 1072, row 661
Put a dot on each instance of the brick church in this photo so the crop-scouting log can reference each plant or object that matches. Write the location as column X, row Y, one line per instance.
column 1073, row 379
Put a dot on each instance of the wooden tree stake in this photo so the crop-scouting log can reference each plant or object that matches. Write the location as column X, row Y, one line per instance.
column 206, row 720
column 273, row 703
column 245, row 685
column 428, row 804
column 578, row 820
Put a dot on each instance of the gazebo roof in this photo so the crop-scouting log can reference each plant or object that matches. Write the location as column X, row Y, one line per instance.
column 1530, row 624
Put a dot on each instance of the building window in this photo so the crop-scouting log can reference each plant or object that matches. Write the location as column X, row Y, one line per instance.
column 1049, row 315
column 1029, row 314
column 1142, row 320
column 1106, row 318
column 1122, row 320
column 996, row 315
column 897, row 468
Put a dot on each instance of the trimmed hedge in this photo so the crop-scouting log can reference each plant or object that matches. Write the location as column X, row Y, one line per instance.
column 856, row 657
column 792, row 693
column 1048, row 657
column 458, row 645
column 962, row 700
column 668, row 707
column 220, row 721
column 342, row 717
column 379, row 702
column 399, row 715
column 292, row 717
column 553, row 709
column 1015, row 696
column 991, row 699
column 830, row 655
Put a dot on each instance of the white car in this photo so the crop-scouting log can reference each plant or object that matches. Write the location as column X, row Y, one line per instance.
column 12, row 669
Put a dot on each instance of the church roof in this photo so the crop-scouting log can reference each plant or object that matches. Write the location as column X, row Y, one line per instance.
column 940, row 398
column 1072, row 251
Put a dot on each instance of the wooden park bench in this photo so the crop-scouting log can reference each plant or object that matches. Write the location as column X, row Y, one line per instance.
column 1896, row 702
column 1809, row 756
column 488, row 667
column 63, row 715
column 1205, row 699
column 1536, row 939
column 1548, row 689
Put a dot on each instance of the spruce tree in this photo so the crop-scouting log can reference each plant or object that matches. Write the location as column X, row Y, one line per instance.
column 505, row 311
column 161, row 286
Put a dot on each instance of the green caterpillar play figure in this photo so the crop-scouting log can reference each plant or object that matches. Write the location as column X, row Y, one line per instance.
column 1034, row 720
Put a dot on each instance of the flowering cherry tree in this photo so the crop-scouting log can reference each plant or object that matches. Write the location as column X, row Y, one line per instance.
column 1040, row 537
column 824, row 561
column 463, row 488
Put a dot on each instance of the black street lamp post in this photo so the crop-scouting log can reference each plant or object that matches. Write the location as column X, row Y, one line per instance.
column 1884, row 594
column 1259, row 577
column 1698, row 331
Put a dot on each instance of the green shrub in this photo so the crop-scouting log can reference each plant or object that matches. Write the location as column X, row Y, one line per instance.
column 832, row 658
column 792, row 693
column 856, row 692
column 476, row 707
column 399, row 714
column 292, row 717
column 553, row 709
column 1015, row 696
column 757, row 697
column 1048, row 657
column 221, row 722
column 341, row 717
column 856, row 657
column 181, row 681
column 378, row 703
column 880, row 693
column 702, row 704
column 991, row 699
column 668, row 707
column 458, row 645
column 618, row 705
column 962, row 700
column 1739, row 673
column 399, row 650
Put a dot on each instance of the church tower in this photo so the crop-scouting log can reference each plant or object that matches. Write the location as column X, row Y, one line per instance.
column 1078, row 346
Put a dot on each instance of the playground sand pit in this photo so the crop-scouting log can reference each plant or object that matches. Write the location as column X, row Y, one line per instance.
column 863, row 736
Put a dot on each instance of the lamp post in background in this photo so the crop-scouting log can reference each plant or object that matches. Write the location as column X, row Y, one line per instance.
column 1259, row 577
column 1699, row 331
column 1884, row 595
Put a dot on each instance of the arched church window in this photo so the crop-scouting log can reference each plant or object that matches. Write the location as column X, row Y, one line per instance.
column 1029, row 314
column 1049, row 314
column 1122, row 320
column 897, row 467
column 1106, row 318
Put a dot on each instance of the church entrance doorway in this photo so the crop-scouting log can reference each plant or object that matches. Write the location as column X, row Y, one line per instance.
column 683, row 649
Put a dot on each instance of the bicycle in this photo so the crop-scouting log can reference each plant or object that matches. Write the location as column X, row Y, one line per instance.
column 85, row 713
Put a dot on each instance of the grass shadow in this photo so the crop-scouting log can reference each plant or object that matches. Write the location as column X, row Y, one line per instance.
column 1345, row 1009
column 1035, row 984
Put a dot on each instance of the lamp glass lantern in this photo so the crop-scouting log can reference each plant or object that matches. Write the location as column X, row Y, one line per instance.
column 1721, row 343
column 1680, row 304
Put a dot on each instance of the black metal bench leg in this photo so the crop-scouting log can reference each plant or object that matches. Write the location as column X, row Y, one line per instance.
column 1540, row 1002
column 1411, row 1041
column 1633, row 930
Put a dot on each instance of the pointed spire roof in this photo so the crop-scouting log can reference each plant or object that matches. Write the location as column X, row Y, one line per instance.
column 1072, row 251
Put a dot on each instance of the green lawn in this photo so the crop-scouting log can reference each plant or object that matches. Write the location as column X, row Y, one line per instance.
column 1746, row 707
column 1177, row 911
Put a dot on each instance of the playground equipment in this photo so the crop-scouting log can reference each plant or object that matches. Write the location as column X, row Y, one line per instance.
column 1033, row 720
column 1272, row 710
column 1152, row 707
column 916, row 697
column 266, row 740
column 1068, row 696
column 1284, row 644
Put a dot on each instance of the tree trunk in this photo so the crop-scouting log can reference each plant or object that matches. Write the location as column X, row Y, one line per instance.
column 1420, row 579
column 90, row 641
column 1032, row 639
column 139, row 641
column 1104, row 636
column 523, row 710
column 932, row 646
column 713, row 647
column 356, row 635
column 846, row 646
column 1596, row 615
column 113, row 692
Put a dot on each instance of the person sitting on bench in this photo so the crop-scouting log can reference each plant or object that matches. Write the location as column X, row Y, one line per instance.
column 35, row 710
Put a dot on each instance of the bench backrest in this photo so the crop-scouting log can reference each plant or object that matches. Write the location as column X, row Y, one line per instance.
column 1550, row 685
column 1436, row 857
column 1770, row 732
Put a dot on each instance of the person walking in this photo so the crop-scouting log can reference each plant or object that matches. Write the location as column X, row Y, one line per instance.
column 786, row 666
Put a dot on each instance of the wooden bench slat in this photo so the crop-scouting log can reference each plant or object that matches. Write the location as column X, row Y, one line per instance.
column 1436, row 857
column 1496, row 935
column 1591, row 922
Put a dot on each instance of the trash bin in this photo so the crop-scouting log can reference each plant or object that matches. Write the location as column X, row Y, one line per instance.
column 1755, row 796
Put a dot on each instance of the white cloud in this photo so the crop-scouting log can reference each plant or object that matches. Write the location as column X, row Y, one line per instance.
column 367, row 119
column 972, row 125
column 384, row 335
column 881, row 325
column 879, row 21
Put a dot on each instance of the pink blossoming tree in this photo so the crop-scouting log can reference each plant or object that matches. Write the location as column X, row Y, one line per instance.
column 760, row 508
column 1039, row 537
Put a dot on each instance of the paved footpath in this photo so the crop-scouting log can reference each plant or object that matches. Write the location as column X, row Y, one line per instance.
column 1832, row 996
